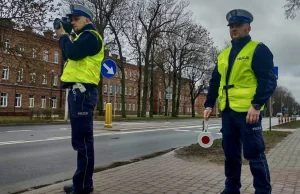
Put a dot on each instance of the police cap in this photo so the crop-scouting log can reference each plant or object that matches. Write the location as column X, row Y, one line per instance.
column 239, row 16
column 80, row 10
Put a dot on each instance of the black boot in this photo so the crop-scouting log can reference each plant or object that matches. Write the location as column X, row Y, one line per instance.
column 69, row 189
column 225, row 192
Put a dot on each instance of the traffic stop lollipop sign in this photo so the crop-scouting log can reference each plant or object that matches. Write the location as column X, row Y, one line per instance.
column 206, row 139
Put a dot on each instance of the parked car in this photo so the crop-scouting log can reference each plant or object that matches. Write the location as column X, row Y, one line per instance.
column 279, row 114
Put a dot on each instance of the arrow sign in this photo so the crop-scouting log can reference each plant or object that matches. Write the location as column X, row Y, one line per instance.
column 108, row 68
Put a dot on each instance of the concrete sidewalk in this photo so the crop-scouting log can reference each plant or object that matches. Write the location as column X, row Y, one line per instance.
column 169, row 174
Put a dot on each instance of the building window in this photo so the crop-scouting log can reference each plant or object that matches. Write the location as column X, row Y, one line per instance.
column 45, row 57
column 32, row 77
column 105, row 88
column 54, row 102
column 18, row 100
column 33, row 53
column 130, row 75
column 129, row 107
column 20, row 75
column 120, row 106
column 104, row 105
column 3, row 100
column 44, row 79
column 5, row 73
column 31, row 101
column 6, row 45
column 134, row 91
column 43, row 102
column 120, row 90
column 159, row 95
column 115, row 106
column 125, row 74
column 110, row 89
column 55, row 80
column 56, row 57
column 20, row 48
column 133, row 107
column 126, row 91
column 130, row 91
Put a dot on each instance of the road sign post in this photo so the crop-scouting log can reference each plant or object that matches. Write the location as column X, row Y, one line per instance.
column 108, row 70
column 168, row 97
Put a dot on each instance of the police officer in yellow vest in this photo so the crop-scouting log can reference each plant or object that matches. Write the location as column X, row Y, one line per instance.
column 81, row 75
column 242, row 81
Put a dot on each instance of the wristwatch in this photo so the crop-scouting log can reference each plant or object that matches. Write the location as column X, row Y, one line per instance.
column 256, row 106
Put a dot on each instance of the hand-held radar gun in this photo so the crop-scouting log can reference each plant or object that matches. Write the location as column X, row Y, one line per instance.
column 206, row 139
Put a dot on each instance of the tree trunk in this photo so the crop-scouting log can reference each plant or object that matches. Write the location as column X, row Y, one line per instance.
column 146, row 75
column 178, row 93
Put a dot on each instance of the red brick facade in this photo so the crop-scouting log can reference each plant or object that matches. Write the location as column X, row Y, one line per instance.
column 30, row 67
column 34, row 75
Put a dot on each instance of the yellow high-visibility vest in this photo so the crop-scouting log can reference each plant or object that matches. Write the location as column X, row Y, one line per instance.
column 242, row 81
column 86, row 70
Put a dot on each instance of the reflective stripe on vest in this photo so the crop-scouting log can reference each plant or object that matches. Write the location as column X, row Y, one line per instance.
column 86, row 70
column 242, row 82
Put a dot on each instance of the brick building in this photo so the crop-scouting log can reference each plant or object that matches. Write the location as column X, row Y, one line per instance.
column 30, row 66
column 159, row 96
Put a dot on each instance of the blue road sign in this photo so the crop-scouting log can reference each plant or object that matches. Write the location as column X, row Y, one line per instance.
column 284, row 109
column 108, row 68
column 275, row 69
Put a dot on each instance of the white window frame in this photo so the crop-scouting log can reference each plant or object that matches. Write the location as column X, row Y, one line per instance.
column 18, row 100
column 32, row 77
column 125, row 91
column 31, row 101
column 105, row 88
column 20, row 75
column 44, row 79
column 6, row 45
column 115, row 106
column 56, row 57
column 3, row 99
column 120, row 106
column 133, row 107
column 55, row 80
column 130, row 91
column 43, row 102
column 54, row 102
column 20, row 49
column 5, row 73
column 134, row 92
column 33, row 53
column 110, row 89
column 45, row 55
column 104, row 105
column 129, row 107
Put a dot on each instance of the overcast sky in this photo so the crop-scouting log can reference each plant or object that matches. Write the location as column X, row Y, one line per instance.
column 282, row 36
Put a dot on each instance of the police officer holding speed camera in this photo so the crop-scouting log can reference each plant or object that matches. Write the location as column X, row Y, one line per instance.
column 81, row 75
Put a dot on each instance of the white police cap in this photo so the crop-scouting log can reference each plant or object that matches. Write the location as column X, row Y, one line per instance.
column 239, row 16
column 81, row 10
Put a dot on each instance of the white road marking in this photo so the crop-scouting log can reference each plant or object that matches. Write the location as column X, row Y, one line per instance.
column 17, row 131
column 95, row 135
column 182, row 130
column 64, row 129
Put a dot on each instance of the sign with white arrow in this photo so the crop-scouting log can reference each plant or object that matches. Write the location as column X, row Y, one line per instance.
column 108, row 68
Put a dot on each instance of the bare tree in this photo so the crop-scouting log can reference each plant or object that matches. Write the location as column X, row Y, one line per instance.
column 156, row 17
column 291, row 7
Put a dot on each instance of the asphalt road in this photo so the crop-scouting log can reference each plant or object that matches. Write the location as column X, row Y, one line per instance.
column 38, row 155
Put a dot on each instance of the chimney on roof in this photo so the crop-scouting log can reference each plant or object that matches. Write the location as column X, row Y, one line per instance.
column 27, row 29
column 48, row 34
column 7, row 23
column 114, row 56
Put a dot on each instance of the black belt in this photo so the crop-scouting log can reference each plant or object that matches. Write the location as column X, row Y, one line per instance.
column 228, row 87
column 70, row 84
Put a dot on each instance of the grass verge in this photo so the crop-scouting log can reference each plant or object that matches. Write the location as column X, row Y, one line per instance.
column 289, row 125
column 215, row 153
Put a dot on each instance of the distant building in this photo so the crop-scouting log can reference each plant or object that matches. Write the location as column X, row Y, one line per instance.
column 30, row 70
column 30, row 67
